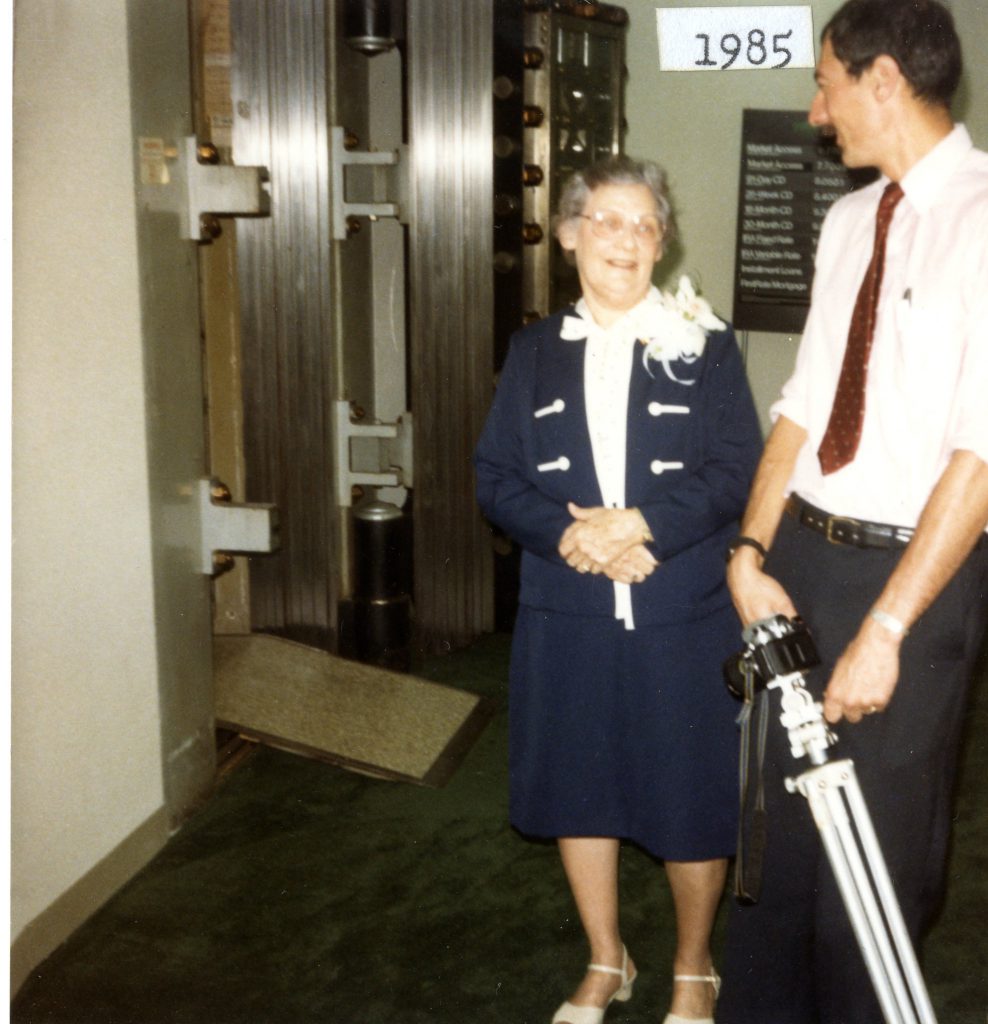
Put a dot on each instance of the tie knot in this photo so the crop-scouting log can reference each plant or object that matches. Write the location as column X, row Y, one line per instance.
column 890, row 198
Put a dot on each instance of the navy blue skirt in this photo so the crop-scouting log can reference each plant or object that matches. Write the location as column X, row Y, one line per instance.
column 625, row 733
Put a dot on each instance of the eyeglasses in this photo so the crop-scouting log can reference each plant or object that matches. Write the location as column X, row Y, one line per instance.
column 609, row 224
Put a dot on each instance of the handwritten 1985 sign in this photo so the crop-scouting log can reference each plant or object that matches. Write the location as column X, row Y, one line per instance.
column 735, row 38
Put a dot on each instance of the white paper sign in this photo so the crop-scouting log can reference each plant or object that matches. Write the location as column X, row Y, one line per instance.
column 735, row 38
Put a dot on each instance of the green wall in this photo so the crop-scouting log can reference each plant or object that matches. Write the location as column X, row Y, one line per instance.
column 691, row 123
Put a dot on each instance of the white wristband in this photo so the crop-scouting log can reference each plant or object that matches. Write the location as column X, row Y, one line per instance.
column 890, row 622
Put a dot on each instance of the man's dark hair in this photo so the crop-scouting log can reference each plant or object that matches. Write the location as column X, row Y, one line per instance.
column 918, row 34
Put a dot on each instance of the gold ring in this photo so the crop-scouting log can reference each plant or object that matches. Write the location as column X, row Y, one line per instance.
column 872, row 709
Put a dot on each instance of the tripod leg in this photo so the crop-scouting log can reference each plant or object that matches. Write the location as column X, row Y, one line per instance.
column 831, row 820
column 883, row 885
column 827, row 787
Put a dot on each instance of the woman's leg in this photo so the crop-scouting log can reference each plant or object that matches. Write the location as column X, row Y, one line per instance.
column 697, row 888
column 591, row 866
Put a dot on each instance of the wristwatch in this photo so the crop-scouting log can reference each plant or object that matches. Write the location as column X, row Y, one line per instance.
column 745, row 542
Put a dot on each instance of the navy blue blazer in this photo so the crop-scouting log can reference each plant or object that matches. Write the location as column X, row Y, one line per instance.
column 691, row 455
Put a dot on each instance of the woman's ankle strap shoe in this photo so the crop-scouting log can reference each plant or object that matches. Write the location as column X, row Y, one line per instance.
column 623, row 994
column 568, row 1013
column 713, row 978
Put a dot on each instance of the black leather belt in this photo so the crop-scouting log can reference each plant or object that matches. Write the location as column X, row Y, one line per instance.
column 844, row 530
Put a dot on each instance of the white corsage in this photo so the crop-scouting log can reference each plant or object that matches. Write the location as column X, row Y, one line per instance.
column 676, row 326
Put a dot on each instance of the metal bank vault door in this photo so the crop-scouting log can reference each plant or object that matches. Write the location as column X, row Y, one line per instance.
column 328, row 377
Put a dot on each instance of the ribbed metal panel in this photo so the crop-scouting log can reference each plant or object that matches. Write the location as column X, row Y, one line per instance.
column 280, row 121
column 579, row 88
column 450, row 133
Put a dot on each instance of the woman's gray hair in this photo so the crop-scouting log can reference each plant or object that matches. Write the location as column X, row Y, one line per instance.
column 617, row 170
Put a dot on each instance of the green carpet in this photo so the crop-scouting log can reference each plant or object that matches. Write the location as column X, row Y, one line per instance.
column 306, row 894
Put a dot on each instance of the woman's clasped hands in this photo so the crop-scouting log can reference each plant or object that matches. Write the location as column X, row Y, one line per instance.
column 608, row 541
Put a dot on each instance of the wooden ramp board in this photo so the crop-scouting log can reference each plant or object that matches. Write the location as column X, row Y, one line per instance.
column 371, row 720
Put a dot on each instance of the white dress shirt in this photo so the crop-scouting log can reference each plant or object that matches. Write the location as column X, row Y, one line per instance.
column 927, row 388
column 606, row 382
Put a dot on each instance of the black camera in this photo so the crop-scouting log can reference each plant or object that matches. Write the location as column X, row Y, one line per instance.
column 773, row 647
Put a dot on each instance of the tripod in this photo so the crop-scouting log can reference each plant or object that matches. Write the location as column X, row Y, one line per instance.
column 845, row 827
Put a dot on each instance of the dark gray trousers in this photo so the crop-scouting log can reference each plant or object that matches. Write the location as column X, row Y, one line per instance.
column 792, row 958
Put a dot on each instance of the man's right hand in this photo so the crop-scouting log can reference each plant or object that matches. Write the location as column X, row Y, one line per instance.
column 756, row 595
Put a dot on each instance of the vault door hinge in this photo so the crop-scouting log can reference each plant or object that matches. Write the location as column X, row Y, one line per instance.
column 229, row 527
column 343, row 155
column 184, row 178
column 394, row 457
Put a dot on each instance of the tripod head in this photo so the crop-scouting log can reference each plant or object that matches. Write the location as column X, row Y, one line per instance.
column 773, row 647
column 778, row 652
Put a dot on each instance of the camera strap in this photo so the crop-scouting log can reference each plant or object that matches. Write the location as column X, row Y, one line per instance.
column 752, row 819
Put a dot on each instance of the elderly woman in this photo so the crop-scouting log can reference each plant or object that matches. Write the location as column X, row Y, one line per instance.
column 618, row 453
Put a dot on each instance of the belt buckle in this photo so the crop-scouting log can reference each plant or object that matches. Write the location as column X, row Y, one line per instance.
column 836, row 521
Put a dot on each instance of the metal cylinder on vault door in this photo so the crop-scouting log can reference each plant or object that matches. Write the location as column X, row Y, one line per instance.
column 382, row 584
column 373, row 26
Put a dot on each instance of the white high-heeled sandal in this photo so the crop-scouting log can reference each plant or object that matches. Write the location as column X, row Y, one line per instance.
column 713, row 978
column 568, row 1013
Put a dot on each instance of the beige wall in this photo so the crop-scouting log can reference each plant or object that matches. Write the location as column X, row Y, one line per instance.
column 691, row 123
column 86, row 773
column 971, row 107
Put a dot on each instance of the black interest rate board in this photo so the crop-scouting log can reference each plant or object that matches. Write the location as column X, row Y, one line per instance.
column 790, row 177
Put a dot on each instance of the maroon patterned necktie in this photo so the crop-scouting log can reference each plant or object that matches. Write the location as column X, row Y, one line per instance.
column 840, row 441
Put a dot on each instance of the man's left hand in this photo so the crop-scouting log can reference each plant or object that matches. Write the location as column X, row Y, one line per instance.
column 864, row 677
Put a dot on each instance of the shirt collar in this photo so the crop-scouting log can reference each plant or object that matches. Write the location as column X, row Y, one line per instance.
column 628, row 320
column 927, row 178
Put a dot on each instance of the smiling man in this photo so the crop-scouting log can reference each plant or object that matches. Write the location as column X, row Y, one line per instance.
column 871, row 502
